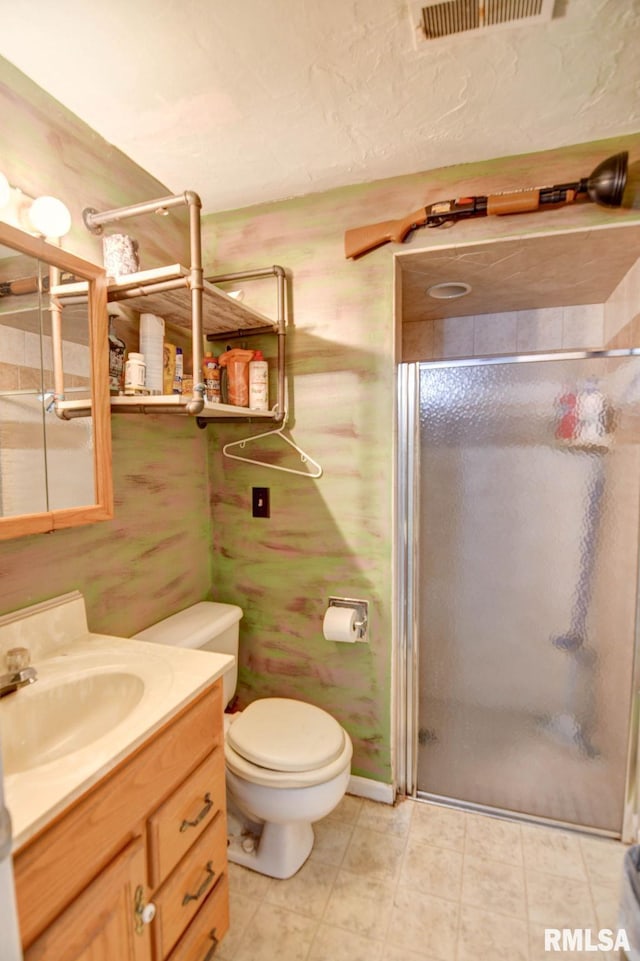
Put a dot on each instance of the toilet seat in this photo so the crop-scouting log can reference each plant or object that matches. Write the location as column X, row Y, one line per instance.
column 283, row 734
column 281, row 742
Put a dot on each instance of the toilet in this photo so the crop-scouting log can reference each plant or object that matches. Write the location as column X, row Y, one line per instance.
column 288, row 763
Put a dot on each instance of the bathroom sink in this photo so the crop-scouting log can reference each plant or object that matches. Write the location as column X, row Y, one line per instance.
column 60, row 715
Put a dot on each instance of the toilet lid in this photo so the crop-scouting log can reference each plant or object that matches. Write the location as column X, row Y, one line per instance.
column 281, row 734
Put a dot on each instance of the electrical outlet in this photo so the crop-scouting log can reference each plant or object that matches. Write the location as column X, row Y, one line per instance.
column 260, row 502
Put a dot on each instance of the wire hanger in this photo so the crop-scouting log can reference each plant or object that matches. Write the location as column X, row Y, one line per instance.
column 317, row 469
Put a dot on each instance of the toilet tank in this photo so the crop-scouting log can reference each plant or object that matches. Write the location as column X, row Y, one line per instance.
column 209, row 626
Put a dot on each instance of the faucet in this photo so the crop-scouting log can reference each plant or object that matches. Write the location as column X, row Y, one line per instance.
column 19, row 672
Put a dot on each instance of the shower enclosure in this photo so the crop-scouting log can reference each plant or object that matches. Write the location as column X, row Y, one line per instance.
column 519, row 491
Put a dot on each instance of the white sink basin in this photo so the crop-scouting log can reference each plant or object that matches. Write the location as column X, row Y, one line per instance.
column 96, row 699
column 57, row 716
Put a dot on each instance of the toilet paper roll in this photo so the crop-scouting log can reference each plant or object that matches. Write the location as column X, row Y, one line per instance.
column 340, row 624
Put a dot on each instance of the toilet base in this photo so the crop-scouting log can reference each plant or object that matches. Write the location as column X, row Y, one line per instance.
column 279, row 852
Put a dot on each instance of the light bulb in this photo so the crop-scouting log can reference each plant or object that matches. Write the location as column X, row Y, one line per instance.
column 5, row 191
column 50, row 217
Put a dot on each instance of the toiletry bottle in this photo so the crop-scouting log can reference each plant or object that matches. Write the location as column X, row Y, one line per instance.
column 117, row 349
column 236, row 362
column 179, row 372
column 258, row 382
column 211, row 377
column 168, row 367
column 134, row 374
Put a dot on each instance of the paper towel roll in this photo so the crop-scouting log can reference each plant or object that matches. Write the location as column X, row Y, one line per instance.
column 151, row 345
column 340, row 624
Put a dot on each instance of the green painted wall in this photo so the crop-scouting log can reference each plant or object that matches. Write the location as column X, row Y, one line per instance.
column 183, row 529
column 334, row 535
column 154, row 557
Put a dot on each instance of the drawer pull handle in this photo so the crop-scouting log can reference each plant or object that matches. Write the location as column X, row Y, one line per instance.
column 203, row 887
column 208, row 804
column 212, row 950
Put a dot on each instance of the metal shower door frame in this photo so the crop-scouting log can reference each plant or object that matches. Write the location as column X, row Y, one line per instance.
column 407, row 579
column 407, row 526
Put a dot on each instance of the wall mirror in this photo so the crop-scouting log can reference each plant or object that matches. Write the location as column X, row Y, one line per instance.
column 55, row 432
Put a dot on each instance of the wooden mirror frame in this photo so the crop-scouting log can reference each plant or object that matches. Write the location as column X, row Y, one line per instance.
column 20, row 525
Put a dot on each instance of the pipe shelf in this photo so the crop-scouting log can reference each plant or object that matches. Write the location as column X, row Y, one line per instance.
column 184, row 298
column 166, row 291
column 178, row 404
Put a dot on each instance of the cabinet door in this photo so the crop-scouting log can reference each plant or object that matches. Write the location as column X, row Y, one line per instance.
column 101, row 924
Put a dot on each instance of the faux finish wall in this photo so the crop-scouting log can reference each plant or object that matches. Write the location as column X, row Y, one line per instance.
column 175, row 533
column 334, row 535
column 153, row 558
column 327, row 537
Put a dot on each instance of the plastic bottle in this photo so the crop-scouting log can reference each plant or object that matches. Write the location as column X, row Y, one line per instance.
column 237, row 363
column 168, row 367
column 117, row 350
column 134, row 374
column 179, row 372
column 258, row 382
column 211, row 377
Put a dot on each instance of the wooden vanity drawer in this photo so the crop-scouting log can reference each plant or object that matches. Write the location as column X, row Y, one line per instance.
column 186, row 890
column 210, row 924
column 180, row 821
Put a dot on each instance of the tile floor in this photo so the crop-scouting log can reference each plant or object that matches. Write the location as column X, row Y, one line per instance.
column 418, row 882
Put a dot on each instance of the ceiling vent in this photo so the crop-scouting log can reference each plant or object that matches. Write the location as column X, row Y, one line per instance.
column 434, row 19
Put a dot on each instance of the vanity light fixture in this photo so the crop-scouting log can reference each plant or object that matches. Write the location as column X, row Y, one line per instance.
column 50, row 217
column 46, row 216
column 449, row 290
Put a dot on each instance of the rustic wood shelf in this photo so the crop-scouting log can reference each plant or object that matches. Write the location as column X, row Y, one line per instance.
column 166, row 291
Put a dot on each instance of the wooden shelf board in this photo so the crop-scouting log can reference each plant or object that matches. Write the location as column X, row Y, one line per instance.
column 221, row 313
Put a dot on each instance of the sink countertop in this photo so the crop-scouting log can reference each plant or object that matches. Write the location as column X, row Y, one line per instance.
column 173, row 677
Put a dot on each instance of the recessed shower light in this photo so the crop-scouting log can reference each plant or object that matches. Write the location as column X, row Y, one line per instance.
column 449, row 290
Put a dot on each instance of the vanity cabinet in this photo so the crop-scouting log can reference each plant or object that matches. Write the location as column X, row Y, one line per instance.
column 152, row 831
column 96, row 926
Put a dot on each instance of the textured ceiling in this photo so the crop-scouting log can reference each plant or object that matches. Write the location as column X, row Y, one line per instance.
column 259, row 100
column 580, row 267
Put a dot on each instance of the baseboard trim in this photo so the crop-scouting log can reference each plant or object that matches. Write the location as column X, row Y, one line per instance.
column 372, row 790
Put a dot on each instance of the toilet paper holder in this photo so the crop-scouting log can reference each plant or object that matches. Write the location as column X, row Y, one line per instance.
column 362, row 609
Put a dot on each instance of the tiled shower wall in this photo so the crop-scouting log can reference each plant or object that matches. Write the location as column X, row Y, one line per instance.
column 513, row 332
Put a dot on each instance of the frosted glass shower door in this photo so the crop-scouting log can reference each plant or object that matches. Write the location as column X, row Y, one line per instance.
column 527, row 572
